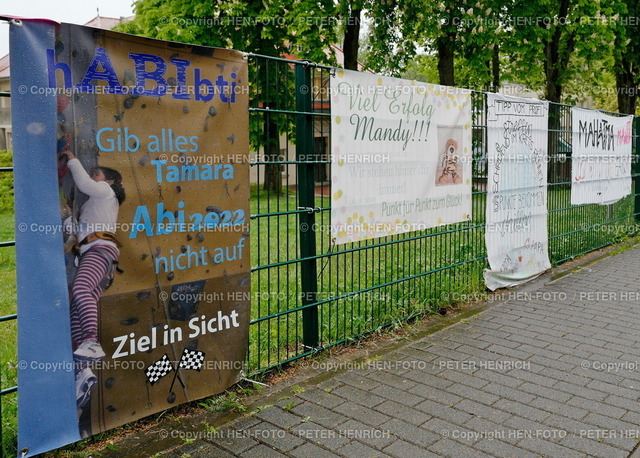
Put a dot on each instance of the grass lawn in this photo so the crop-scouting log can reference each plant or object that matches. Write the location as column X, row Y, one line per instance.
column 8, row 335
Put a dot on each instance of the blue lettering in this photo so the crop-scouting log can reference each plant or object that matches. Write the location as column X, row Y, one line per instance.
column 108, row 74
column 52, row 66
column 140, row 64
column 141, row 221
column 222, row 84
column 181, row 77
column 158, row 165
column 208, row 93
column 150, row 79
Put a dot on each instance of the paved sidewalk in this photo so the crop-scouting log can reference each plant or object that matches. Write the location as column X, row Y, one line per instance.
column 553, row 370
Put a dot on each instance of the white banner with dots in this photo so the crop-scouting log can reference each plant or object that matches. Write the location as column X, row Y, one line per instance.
column 400, row 156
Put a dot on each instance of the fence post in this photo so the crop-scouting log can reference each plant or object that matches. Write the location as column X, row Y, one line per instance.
column 306, row 199
column 636, row 166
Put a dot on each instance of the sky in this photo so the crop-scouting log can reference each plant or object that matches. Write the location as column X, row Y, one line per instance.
column 71, row 11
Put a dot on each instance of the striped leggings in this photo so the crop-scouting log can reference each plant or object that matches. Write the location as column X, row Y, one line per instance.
column 96, row 265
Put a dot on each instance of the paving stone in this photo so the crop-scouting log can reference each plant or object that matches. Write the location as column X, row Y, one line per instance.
column 234, row 444
column 360, row 450
column 309, row 450
column 403, row 412
column 631, row 417
column 553, row 406
column 409, row 432
column 466, row 378
column 278, row 417
column 570, row 426
column 329, row 385
column 214, row 452
column 593, row 447
column 471, row 393
column 562, row 367
column 499, row 377
column 447, row 447
column 623, row 403
column 417, row 354
column 429, row 380
column 403, row 397
column 275, row 438
column 616, row 390
column 609, row 423
column 321, row 397
column 244, row 423
column 318, row 434
column 545, row 392
column 510, row 352
column 520, row 428
column 597, row 407
column 379, row 437
column 357, row 380
column 582, row 391
column 451, row 414
column 198, row 446
column 441, row 396
column 287, row 403
column 546, row 448
column 486, row 429
column 392, row 380
column 359, row 396
column 320, row 415
column 482, row 411
column 521, row 410
column 262, row 451
column 497, row 447
column 361, row 413
column 623, row 441
column 403, row 449
column 505, row 392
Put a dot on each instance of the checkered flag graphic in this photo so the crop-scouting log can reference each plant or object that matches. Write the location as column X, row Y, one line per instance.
column 191, row 359
column 158, row 369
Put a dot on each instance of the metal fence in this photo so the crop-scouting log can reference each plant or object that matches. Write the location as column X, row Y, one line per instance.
column 308, row 294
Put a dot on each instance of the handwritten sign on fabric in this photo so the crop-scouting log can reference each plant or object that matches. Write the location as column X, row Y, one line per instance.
column 601, row 159
column 516, row 233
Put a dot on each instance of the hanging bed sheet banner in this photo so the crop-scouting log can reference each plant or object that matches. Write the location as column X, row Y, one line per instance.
column 132, row 215
column 601, row 157
column 400, row 156
column 516, row 232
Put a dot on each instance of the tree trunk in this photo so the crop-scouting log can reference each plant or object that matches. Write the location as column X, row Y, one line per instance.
column 351, row 42
column 553, row 88
column 445, row 61
column 272, row 174
column 557, row 56
column 495, row 69
column 627, row 90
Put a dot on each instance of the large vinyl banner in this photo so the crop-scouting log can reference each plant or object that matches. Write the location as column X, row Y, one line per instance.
column 400, row 157
column 601, row 157
column 132, row 215
column 516, row 233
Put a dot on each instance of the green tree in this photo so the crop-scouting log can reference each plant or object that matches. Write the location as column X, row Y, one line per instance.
column 552, row 36
column 463, row 37
column 627, row 56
